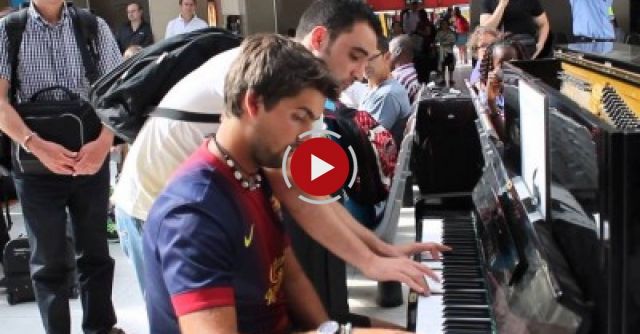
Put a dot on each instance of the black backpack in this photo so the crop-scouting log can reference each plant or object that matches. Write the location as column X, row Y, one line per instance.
column 130, row 93
column 16, row 23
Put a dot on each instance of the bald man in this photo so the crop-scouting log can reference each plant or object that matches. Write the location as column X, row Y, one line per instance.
column 401, row 50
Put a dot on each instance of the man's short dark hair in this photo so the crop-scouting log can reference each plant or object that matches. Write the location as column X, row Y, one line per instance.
column 275, row 67
column 195, row 2
column 337, row 16
column 129, row 3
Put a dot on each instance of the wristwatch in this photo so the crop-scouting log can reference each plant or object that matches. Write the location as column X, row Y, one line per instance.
column 329, row 327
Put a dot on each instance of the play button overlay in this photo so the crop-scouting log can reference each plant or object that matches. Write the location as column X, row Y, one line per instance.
column 319, row 167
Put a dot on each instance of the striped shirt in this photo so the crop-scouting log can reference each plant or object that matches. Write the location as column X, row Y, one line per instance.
column 49, row 56
column 406, row 75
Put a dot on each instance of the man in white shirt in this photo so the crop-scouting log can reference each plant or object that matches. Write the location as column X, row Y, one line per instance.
column 187, row 20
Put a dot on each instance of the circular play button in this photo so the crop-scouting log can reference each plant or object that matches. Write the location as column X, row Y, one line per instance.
column 319, row 166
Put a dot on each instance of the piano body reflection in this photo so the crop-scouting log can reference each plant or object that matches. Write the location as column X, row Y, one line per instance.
column 512, row 270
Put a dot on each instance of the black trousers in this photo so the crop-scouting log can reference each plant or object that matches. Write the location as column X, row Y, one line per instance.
column 47, row 200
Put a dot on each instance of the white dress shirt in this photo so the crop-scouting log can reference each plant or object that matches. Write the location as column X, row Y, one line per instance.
column 180, row 26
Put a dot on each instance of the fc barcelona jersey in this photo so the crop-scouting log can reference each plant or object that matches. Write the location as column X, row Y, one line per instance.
column 208, row 243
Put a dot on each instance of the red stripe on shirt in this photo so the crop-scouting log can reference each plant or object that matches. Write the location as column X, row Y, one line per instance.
column 202, row 299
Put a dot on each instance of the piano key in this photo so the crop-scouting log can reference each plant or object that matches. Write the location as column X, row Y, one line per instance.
column 457, row 304
column 429, row 318
column 466, row 312
column 432, row 317
column 432, row 230
column 434, row 286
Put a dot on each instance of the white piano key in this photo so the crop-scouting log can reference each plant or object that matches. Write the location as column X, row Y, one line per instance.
column 429, row 318
column 432, row 230
column 434, row 265
column 434, row 286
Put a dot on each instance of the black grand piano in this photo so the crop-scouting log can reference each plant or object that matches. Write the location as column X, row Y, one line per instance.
column 574, row 268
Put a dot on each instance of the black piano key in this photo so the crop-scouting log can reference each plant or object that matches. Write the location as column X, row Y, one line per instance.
column 459, row 302
column 478, row 324
column 463, row 285
column 458, row 243
column 475, row 295
column 458, row 219
column 461, row 269
column 461, row 254
column 458, row 234
column 464, row 300
column 460, row 258
column 459, row 277
column 459, row 312
column 462, row 280
column 467, row 331
column 461, row 239
column 447, row 261
column 460, row 274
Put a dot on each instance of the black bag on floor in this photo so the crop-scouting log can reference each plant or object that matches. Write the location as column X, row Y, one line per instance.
column 17, row 280
column 16, row 271
column 7, row 195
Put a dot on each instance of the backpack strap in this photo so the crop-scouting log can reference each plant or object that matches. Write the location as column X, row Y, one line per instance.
column 185, row 116
column 85, row 28
column 15, row 25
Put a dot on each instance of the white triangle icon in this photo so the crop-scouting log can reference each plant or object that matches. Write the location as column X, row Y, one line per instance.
column 319, row 167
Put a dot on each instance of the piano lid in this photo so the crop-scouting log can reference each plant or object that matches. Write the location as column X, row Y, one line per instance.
column 625, row 57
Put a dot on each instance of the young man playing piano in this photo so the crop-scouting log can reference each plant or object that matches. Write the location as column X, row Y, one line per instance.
column 217, row 257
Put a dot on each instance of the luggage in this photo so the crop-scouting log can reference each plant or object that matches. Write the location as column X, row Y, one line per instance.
column 19, row 286
column 16, row 271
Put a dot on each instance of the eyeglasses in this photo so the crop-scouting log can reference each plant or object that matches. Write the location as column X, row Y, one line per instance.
column 372, row 58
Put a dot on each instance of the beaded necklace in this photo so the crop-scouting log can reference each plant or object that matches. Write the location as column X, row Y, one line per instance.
column 252, row 182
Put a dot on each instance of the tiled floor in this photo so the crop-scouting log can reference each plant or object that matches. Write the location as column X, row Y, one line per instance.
column 129, row 305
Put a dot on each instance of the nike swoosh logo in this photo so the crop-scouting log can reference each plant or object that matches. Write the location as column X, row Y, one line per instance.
column 249, row 239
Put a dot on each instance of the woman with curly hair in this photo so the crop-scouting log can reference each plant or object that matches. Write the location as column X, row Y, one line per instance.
column 480, row 39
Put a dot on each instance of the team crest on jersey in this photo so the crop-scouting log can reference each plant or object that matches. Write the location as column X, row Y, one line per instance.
column 276, row 273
